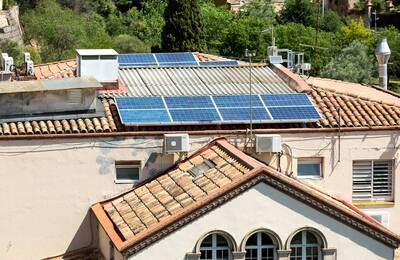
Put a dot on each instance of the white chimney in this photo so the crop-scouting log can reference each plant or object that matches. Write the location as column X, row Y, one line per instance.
column 99, row 63
column 382, row 53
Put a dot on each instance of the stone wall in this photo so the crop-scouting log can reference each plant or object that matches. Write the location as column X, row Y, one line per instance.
column 10, row 27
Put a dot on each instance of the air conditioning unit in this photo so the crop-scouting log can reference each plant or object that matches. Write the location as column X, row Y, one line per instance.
column 306, row 66
column 7, row 62
column 268, row 143
column 29, row 68
column 176, row 143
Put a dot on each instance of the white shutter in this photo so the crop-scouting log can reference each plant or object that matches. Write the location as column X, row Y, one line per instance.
column 372, row 180
column 362, row 180
column 382, row 180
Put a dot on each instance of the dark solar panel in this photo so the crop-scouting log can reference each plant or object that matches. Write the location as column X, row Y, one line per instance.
column 194, row 115
column 181, row 109
column 189, row 102
column 294, row 113
column 144, row 116
column 237, row 101
column 219, row 63
column 137, row 59
column 175, row 58
column 140, row 103
column 271, row 100
column 243, row 114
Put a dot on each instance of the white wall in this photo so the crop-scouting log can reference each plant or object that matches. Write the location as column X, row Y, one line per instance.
column 48, row 186
column 265, row 207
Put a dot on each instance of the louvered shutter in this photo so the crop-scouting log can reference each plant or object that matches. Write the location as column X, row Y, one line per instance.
column 372, row 180
column 362, row 180
column 382, row 180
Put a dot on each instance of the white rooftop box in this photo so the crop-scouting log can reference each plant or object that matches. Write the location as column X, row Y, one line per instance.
column 99, row 63
column 268, row 143
column 176, row 143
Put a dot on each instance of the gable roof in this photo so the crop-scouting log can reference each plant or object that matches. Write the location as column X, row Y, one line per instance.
column 153, row 209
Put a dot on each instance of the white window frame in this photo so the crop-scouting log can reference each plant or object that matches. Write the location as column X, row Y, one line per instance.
column 383, row 214
column 260, row 246
column 304, row 246
column 311, row 160
column 372, row 196
column 127, row 165
column 214, row 248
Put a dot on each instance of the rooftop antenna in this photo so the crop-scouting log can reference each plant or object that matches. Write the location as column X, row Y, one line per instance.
column 376, row 18
column 250, row 55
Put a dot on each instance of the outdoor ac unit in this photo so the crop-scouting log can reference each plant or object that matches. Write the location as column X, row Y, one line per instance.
column 176, row 143
column 268, row 143
column 30, row 71
column 306, row 66
column 7, row 62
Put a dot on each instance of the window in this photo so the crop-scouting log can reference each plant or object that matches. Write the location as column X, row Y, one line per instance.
column 372, row 180
column 260, row 246
column 214, row 247
column 127, row 171
column 309, row 167
column 201, row 168
column 305, row 246
column 380, row 216
column 90, row 57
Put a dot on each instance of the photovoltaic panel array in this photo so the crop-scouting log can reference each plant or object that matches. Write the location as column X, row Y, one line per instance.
column 171, row 59
column 216, row 109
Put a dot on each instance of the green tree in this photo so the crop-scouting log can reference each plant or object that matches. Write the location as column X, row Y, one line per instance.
column 331, row 21
column 183, row 29
column 13, row 49
column 299, row 11
column 127, row 44
column 355, row 30
column 259, row 9
column 217, row 21
column 59, row 31
column 393, row 37
column 352, row 64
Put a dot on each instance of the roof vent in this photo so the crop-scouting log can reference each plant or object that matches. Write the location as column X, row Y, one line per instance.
column 176, row 143
column 201, row 168
column 99, row 63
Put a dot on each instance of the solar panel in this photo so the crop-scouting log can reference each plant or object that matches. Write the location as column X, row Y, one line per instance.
column 237, row 101
column 286, row 100
column 144, row 116
column 233, row 108
column 189, row 102
column 140, row 103
column 137, row 59
column 219, row 63
column 243, row 114
column 176, row 59
column 194, row 115
column 294, row 113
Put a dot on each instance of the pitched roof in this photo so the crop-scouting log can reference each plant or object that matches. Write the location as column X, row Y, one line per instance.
column 355, row 111
column 65, row 126
column 133, row 220
column 356, row 90
column 220, row 80
column 55, row 70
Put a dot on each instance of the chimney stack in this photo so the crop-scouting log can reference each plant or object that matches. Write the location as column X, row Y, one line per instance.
column 382, row 53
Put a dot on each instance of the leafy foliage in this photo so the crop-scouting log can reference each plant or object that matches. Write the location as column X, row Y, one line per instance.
column 125, row 43
column 183, row 29
column 299, row 11
column 352, row 64
column 393, row 37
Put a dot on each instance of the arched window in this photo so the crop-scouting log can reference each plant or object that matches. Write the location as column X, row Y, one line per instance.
column 305, row 246
column 260, row 246
column 215, row 247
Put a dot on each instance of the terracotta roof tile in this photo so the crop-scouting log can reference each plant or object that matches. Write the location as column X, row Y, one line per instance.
column 59, row 69
column 71, row 126
column 354, row 111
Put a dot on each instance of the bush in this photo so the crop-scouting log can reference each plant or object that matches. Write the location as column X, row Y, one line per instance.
column 127, row 44
column 352, row 64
